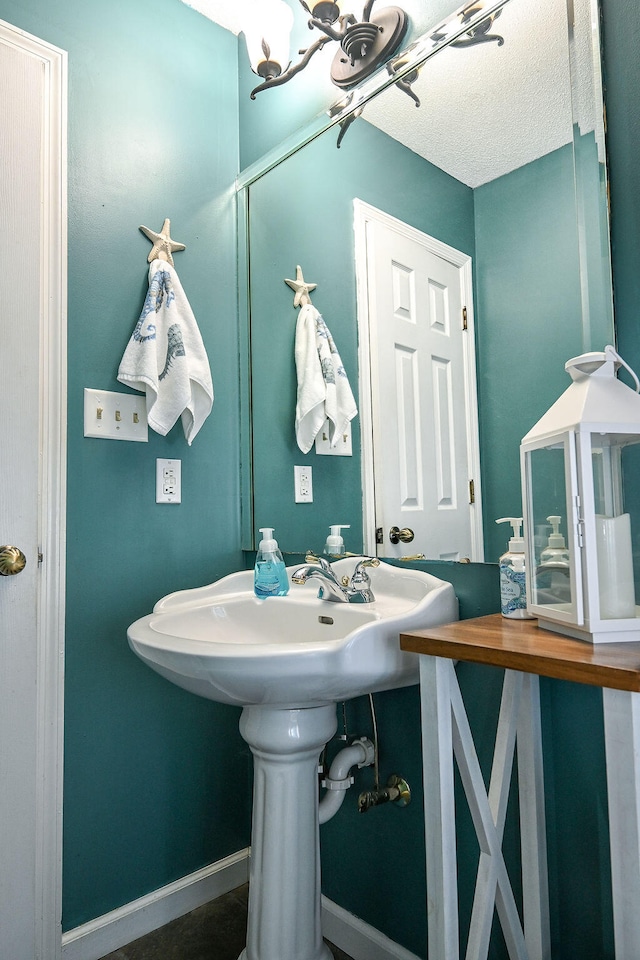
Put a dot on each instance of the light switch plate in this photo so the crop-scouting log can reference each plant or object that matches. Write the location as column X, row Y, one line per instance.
column 115, row 416
column 343, row 448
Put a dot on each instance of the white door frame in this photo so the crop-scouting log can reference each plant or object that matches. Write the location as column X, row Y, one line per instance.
column 52, row 487
column 364, row 213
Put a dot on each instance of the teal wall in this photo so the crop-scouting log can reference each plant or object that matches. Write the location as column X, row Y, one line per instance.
column 528, row 303
column 153, row 133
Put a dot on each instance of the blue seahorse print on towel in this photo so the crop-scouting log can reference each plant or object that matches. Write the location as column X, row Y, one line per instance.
column 329, row 366
column 175, row 348
column 159, row 287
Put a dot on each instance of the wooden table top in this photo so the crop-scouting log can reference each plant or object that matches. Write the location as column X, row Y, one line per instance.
column 523, row 645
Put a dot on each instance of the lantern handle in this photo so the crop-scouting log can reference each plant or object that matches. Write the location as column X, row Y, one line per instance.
column 613, row 353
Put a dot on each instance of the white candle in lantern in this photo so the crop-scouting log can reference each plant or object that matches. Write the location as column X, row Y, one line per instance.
column 615, row 567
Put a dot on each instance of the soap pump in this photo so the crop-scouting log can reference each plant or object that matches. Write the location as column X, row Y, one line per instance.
column 555, row 553
column 513, row 591
column 270, row 574
column 334, row 547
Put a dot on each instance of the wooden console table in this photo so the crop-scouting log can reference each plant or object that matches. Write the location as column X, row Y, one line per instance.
column 526, row 652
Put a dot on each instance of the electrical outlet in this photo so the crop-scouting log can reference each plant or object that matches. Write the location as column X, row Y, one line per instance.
column 303, row 484
column 168, row 481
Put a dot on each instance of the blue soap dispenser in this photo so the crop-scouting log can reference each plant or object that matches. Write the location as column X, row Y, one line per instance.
column 270, row 574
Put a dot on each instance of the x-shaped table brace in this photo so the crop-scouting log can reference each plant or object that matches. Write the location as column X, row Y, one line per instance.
column 447, row 734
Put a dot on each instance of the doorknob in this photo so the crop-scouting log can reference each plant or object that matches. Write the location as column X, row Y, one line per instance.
column 12, row 561
column 406, row 535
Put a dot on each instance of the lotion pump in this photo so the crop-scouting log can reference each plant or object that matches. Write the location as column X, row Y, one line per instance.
column 335, row 544
column 555, row 552
column 513, row 592
column 270, row 574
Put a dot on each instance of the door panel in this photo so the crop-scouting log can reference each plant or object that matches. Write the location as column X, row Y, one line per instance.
column 421, row 392
column 31, row 494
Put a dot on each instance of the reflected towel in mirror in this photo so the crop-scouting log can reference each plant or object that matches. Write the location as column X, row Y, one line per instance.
column 323, row 386
column 166, row 359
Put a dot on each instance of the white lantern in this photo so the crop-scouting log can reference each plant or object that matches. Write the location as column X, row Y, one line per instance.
column 580, row 469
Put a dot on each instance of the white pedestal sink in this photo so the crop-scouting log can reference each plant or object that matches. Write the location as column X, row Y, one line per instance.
column 287, row 661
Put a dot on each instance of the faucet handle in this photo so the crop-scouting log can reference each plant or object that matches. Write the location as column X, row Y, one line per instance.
column 312, row 558
column 359, row 574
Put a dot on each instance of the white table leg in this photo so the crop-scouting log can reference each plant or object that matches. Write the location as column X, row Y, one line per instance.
column 440, row 828
column 622, row 739
column 533, row 832
column 446, row 733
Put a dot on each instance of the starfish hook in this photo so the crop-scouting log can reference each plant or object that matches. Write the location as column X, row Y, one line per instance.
column 163, row 245
column 302, row 289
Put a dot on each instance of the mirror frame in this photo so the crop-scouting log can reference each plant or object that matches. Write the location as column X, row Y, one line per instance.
column 415, row 56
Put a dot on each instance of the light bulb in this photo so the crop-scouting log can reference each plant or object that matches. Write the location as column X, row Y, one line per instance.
column 267, row 37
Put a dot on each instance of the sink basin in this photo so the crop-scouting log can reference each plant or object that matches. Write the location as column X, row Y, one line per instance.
column 287, row 661
column 223, row 643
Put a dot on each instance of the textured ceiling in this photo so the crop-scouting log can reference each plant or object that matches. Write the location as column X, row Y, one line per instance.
column 489, row 109
column 486, row 109
column 228, row 13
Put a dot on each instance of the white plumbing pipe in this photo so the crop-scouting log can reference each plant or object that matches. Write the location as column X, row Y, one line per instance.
column 360, row 753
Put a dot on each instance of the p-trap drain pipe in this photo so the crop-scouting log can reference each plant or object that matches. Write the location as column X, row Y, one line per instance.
column 361, row 753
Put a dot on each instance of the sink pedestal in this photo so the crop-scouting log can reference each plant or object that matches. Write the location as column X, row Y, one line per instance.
column 284, row 884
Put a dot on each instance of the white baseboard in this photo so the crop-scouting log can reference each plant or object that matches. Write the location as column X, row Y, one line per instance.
column 357, row 938
column 108, row 933
column 114, row 930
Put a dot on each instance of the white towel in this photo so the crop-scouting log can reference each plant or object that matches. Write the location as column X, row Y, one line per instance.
column 166, row 357
column 323, row 387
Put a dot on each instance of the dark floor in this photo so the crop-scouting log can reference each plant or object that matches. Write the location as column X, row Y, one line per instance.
column 216, row 931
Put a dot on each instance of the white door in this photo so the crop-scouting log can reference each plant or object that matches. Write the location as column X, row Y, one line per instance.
column 32, row 370
column 415, row 294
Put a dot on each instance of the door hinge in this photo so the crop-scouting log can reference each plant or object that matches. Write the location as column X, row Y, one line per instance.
column 379, row 535
column 472, row 491
column 464, row 318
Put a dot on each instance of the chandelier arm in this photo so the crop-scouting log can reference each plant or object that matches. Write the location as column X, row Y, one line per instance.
column 291, row 70
column 345, row 124
column 331, row 32
column 366, row 13
column 405, row 86
column 476, row 39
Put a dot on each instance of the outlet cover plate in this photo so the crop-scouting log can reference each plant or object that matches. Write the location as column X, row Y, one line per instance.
column 115, row 416
column 168, row 481
column 303, row 484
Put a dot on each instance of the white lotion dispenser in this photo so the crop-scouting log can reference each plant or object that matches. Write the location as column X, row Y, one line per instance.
column 513, row 590
column 334, row 545
column 556, row 552
column 270, row 574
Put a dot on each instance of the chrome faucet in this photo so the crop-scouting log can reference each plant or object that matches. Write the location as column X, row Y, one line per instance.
column 354, row 590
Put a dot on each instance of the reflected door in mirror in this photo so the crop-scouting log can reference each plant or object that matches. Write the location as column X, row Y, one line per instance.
column 421, row 390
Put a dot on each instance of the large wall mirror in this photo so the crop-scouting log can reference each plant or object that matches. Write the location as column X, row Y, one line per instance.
column 502, row 168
